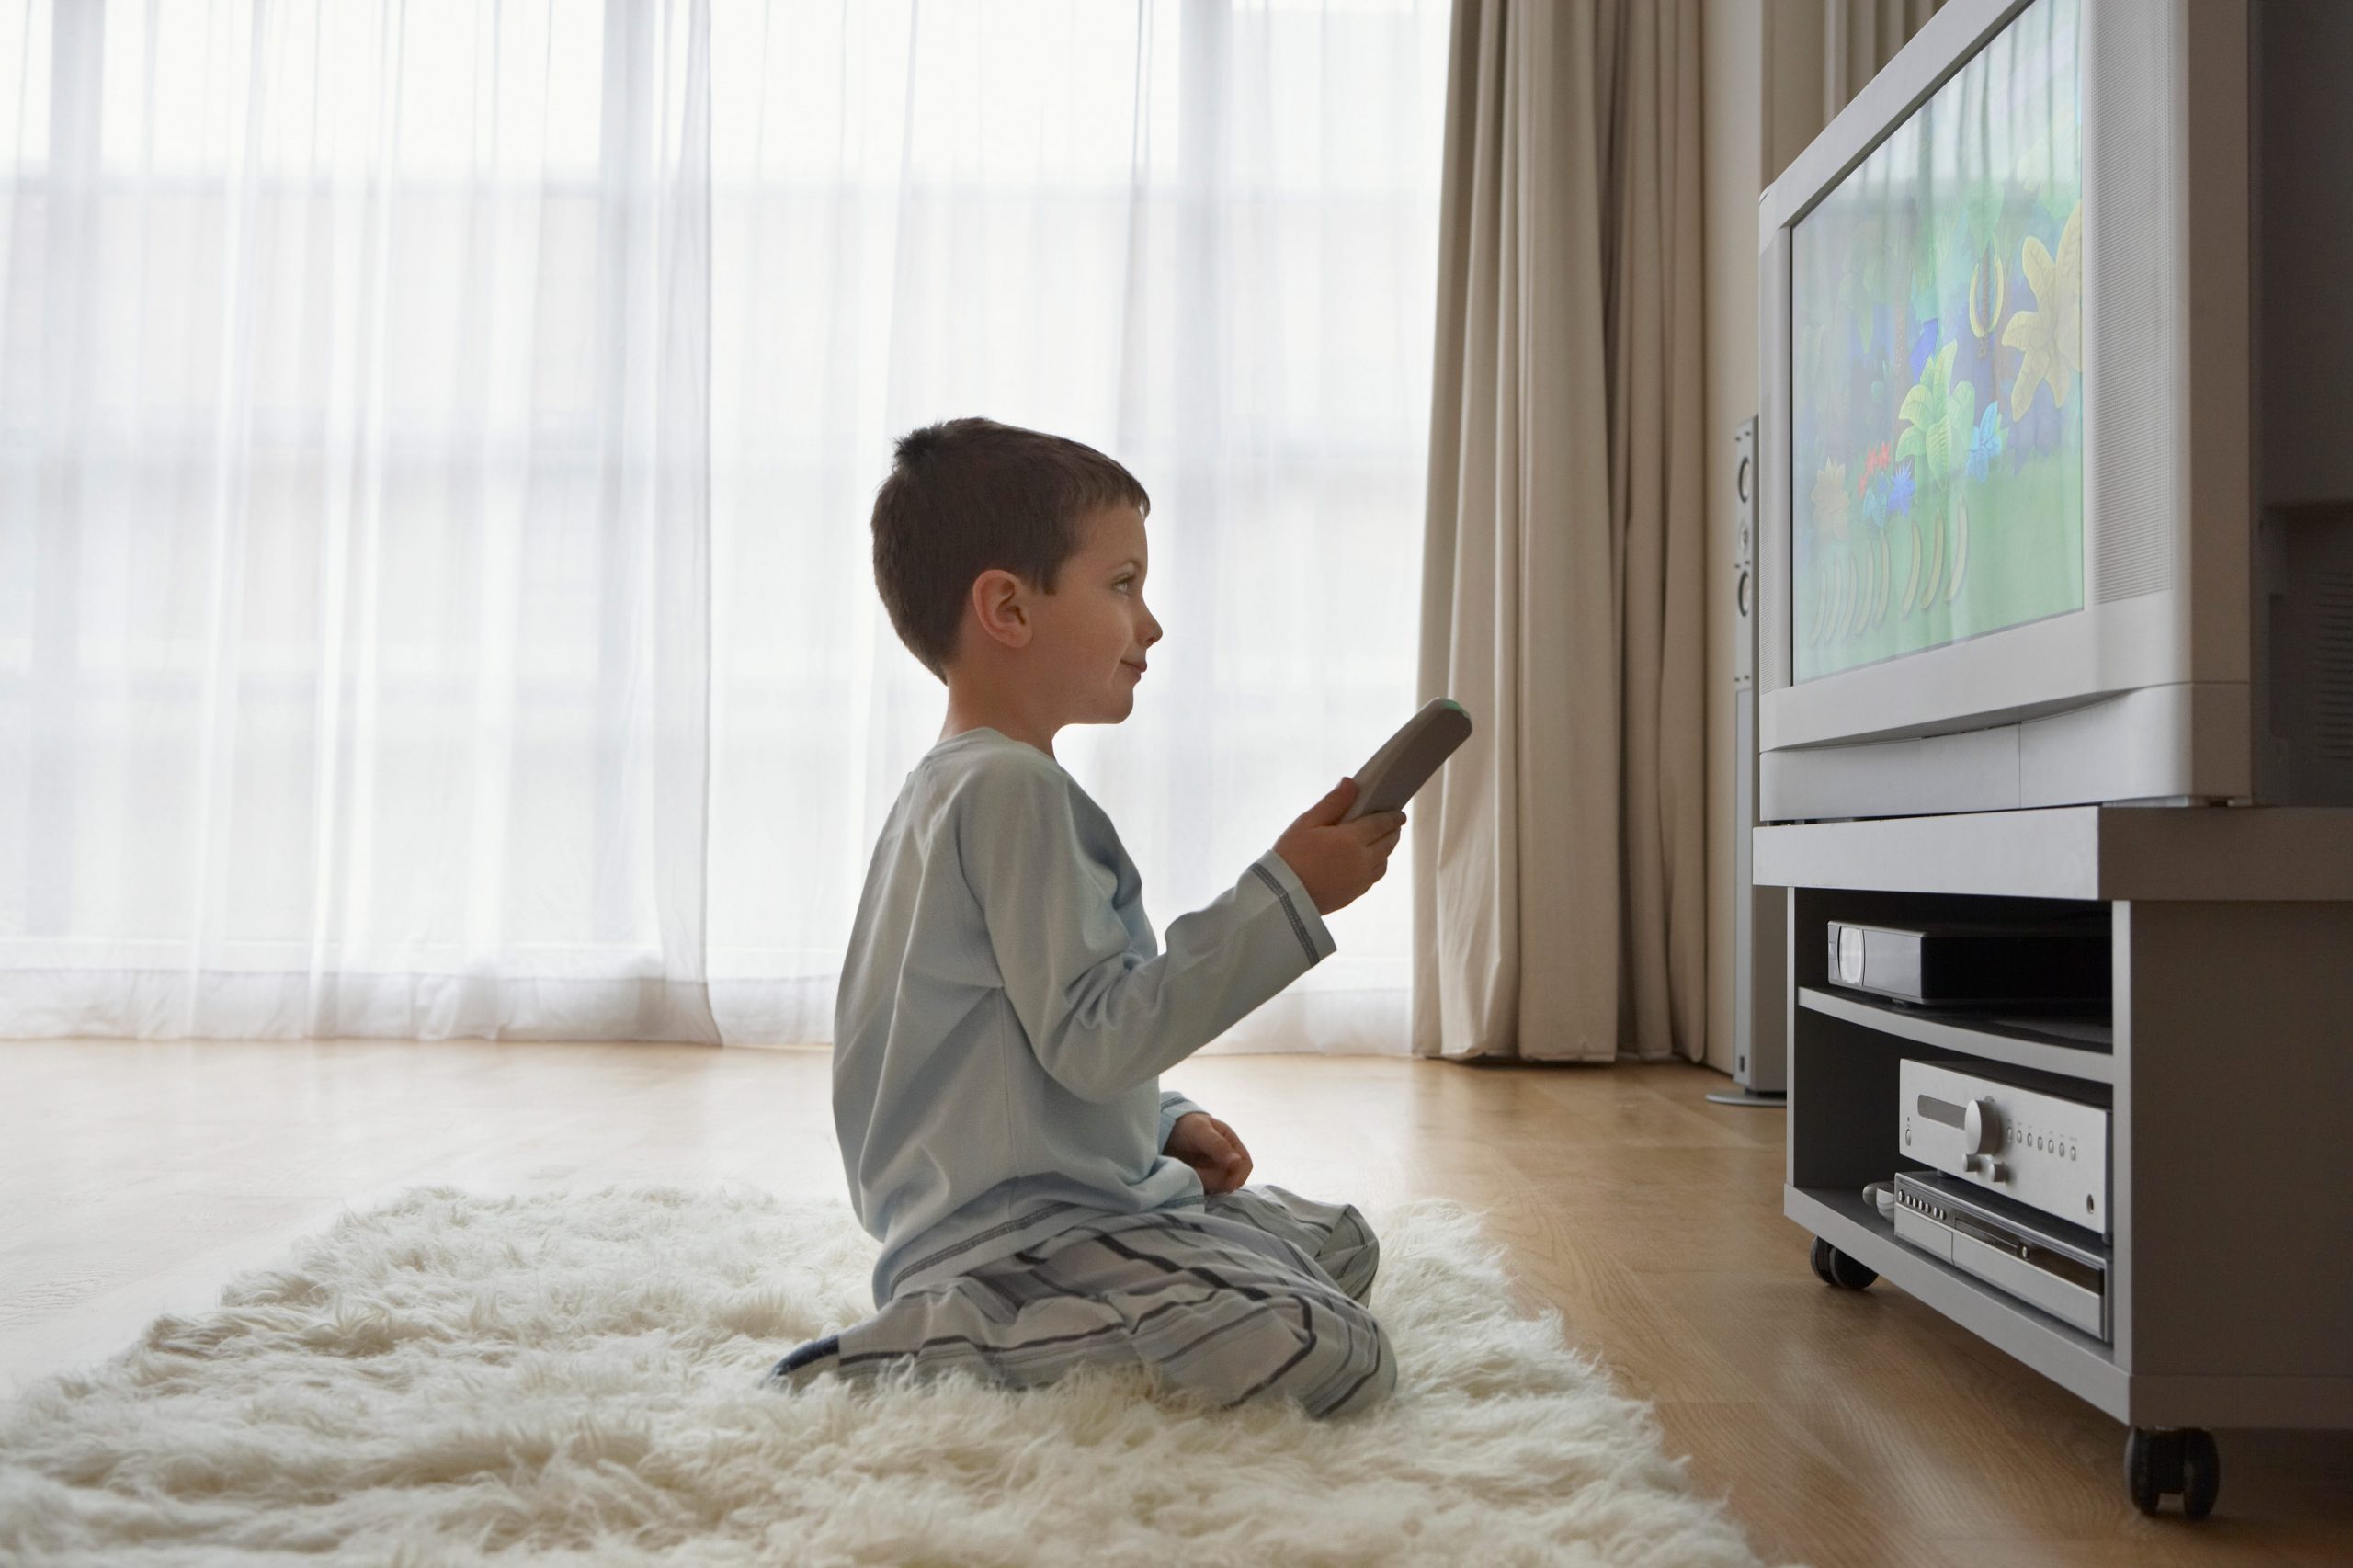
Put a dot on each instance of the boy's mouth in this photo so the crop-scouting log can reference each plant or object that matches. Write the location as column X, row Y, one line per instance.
column 1131, row 664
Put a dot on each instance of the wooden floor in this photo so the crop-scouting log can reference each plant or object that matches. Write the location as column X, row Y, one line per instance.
column 1858, row 1429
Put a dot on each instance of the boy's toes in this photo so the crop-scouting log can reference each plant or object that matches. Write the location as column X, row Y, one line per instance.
column 805, row 1365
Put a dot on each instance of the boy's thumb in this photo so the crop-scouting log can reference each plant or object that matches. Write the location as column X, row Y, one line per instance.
column 1330, row 809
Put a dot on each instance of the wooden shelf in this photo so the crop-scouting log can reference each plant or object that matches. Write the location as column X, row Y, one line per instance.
column 2073, row 1359
column 2015, row 1041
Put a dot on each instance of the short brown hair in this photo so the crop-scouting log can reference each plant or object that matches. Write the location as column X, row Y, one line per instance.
column 967, row 495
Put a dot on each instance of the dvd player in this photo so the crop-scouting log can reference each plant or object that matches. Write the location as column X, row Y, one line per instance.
column 2049, row 1264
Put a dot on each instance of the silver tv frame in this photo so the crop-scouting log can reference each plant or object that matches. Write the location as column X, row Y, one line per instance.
column 2144, row 693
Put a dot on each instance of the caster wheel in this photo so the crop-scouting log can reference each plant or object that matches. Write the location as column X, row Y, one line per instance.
column 2152, row 1466
column 2201, row 1473
column 2159, row 1460
column 1834, row 1268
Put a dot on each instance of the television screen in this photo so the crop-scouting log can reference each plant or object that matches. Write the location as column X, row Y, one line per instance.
column 1937, row 385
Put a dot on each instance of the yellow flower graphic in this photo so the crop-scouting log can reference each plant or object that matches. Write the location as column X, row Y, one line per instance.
column 2052, row 334
column 1830, row 500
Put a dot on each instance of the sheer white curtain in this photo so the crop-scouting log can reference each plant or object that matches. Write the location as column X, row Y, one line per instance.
column 354, row 568
column 436, row 442
column 1201, row 237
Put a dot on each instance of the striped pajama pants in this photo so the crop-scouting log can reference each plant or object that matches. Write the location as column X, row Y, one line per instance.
column 1251, row 1294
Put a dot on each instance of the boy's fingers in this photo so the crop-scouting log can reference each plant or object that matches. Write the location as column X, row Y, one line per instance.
column 1233, row 1165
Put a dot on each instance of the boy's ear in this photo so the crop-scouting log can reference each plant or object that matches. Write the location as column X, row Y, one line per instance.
column 1001, row 605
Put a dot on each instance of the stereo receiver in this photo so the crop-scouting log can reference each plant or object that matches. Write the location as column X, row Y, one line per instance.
column 2034, row 1137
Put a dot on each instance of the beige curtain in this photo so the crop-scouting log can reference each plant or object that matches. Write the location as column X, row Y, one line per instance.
column 1558, row 861
column 1860, row 36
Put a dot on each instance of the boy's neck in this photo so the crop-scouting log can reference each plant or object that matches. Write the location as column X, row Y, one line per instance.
column 970, row 709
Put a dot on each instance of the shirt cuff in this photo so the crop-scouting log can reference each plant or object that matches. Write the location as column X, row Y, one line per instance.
column 1291, row 893
column 1172, row 1105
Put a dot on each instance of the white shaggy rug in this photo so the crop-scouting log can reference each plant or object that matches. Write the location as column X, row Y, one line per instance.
column 573, row 1379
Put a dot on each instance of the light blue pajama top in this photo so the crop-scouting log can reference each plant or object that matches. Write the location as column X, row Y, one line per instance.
column 1004, row 1012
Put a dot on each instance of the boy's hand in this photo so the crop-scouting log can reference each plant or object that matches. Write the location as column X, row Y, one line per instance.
column 1336, row 861
column 1209, row 1145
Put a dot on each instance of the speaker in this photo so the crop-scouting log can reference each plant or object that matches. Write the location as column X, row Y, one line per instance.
column 1759, row 916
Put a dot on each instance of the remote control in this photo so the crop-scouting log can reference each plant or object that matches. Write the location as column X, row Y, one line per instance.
column 1407, row 760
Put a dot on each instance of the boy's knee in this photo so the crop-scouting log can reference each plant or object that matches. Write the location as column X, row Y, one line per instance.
column 1322, row 1350
column 1366, row 1377
column 1353, row 1259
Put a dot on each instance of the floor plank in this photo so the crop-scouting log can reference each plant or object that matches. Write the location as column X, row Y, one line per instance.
column 1844, row 1428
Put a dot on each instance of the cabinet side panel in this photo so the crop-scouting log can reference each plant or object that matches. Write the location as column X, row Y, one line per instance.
column 2236, row 1029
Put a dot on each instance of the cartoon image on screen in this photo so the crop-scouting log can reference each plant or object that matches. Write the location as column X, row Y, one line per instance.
column 1936, row 393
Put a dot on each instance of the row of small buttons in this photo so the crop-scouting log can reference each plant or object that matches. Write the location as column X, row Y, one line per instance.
column 2049, row 1143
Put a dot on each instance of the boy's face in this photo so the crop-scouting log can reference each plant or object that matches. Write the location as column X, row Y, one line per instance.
column 1093, row 629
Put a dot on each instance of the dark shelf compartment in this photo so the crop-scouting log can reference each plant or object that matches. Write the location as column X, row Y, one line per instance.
column 2078, row 1045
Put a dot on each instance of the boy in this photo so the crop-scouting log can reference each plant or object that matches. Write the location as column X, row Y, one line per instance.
column 1004, row 1012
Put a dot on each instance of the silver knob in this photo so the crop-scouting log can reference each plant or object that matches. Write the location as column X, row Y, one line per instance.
column 1989, row 1168
column 1981, row 1126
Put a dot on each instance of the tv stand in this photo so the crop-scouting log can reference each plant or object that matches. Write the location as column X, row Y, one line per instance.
column 2227, row 1045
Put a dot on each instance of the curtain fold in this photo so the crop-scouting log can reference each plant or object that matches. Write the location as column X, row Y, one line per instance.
column 437, row 442
column 1860, row 36
column 1559, row 908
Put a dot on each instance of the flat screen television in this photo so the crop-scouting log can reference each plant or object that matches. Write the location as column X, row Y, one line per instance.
column 2009, row 543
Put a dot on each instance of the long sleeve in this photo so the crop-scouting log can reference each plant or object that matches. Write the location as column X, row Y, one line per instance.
column 1172, row 1105
column 1100, row 1019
